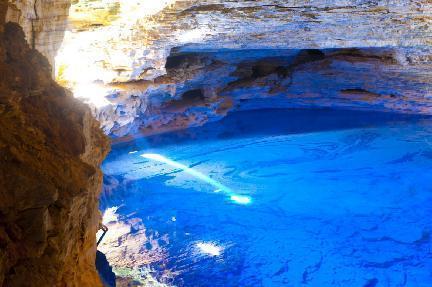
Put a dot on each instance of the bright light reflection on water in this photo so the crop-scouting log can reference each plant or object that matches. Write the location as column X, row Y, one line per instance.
column 209, row 248
column 339, row 199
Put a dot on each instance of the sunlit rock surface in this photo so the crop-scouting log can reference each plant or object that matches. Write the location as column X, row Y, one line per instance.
column 133, row 39
column 337, row 198
column 50, row 149
column 43, row 22
column 120, row 49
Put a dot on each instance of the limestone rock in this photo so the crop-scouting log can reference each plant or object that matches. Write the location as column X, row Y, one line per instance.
column 43, row 22
column 123, row 71
column 50, row 151
column 135, row 41
column 203, row 86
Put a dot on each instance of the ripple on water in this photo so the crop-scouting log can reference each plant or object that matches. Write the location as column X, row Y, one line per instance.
column 340, row 203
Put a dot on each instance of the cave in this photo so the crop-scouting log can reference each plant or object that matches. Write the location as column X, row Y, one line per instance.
column 215, row 143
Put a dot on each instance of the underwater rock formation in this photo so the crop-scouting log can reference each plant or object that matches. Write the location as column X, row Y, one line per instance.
column 337, row 198
column 50, row 150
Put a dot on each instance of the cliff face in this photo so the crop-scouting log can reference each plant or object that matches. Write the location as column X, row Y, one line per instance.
column 43, row 22
column 50, row 151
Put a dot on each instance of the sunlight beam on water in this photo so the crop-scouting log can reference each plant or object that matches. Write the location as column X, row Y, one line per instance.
column 239, row 199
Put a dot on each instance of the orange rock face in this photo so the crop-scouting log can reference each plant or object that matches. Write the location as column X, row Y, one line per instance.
column 50, row 151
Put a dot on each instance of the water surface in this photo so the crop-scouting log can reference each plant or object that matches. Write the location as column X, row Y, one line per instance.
column 275, row 198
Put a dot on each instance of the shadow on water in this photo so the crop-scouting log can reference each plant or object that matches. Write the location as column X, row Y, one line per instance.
column 275, row 122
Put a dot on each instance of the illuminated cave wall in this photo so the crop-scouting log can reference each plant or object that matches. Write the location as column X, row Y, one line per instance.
column 149, row 66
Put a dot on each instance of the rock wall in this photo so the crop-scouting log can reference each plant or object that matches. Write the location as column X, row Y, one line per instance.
column 204, row 86
column 43, row 21
column 122, row 70
column 50, row 151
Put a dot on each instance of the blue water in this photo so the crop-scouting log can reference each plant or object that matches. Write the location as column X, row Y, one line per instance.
column 327, row 198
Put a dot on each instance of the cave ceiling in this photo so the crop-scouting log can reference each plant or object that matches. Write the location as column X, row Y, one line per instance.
column 114, row 57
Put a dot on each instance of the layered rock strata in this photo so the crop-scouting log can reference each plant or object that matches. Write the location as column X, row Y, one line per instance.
column 124, row 49
column 43, row 22
column 50, row 151
column 204, row 86
column 130, row 40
